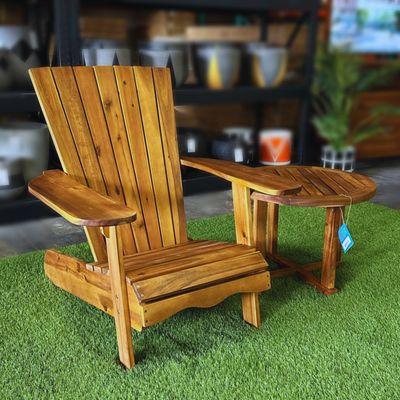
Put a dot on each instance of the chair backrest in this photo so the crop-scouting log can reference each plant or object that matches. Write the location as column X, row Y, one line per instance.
column 114, row 130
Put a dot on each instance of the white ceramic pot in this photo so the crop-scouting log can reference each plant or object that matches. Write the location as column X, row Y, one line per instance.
column 12, row 183
column 22, row 45
column 116, row 56
column 342, row 159
column 89, row 57
column 28, row 142
column 217, row 65
column 268, row 65
column 6, row 73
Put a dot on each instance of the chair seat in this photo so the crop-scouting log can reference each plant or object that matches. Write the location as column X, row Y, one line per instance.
column 173, row 270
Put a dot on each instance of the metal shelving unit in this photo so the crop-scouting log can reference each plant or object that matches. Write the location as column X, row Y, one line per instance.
column 66, row 27
column 70, row 52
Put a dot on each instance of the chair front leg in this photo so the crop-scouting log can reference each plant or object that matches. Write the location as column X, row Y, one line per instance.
column 244, row 235
column 119, row 296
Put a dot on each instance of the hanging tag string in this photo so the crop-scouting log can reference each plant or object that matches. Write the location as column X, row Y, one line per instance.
column 348, row 212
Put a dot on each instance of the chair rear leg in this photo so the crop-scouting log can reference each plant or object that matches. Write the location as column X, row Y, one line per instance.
column 251, row 308
column 119, row 296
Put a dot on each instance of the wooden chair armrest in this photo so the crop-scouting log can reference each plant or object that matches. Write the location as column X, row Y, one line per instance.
column 251, row 178
column 78, row 203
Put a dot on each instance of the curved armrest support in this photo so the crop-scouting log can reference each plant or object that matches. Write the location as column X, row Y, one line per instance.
column 78, row 203
column 251, row 178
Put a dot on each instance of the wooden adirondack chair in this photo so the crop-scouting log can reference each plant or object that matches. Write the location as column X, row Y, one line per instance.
column 114, row 131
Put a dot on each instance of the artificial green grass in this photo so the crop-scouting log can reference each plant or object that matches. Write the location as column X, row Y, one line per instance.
column 345, row 346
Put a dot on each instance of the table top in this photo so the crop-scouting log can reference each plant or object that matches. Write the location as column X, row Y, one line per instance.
column 321, row 187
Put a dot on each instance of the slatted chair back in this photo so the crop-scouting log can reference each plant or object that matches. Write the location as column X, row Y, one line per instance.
column 114, row 130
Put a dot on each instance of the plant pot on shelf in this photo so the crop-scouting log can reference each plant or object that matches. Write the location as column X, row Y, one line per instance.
column 192, row 143
column 266, row 65
column 171, row 52
column 217, row 65
column 339, row 159
column 28, row 142
column 12, row 183
column 22, row 53
column 243, row 135
column 227, row 149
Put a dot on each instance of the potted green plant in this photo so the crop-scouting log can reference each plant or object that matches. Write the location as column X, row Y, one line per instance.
column 339, row 79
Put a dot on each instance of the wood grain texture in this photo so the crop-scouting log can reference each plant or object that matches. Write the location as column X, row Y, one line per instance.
column 260, row 226
column 70, row 274
column 208, row 297
column 50, row 103
column 134, row 128
column 108, row 171
column 331, row 248
column 166, row 115
column 251, row 308
column 244, row 235
column 242, row 214
column 78, row 203
column 174, row 281
column 321, row 187
column 152, row 134
column 272, row 228
column 115, row 133
column 114, row 130
column 252, row 178
column 119, row 296
column 164, row 272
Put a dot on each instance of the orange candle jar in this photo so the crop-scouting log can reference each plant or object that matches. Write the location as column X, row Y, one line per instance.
column 275, row 146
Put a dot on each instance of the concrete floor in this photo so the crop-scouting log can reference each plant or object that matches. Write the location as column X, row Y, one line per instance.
column 56, row 232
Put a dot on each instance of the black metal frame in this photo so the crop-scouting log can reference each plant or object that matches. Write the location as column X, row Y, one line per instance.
column 66, row 27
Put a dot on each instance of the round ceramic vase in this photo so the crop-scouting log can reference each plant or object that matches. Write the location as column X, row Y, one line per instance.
column 27, row 142
column 115, row 56
column 174, row 59
column 218, row 66
column 12, row 183
column 20, row 47
column 268, row 65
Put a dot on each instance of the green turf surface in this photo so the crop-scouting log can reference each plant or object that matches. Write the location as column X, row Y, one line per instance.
column 346, row 346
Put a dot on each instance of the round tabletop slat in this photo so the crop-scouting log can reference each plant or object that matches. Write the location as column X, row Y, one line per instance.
column 322, row 187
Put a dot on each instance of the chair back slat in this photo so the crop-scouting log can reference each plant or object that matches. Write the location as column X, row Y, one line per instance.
column 114, row 130
column 53, row 110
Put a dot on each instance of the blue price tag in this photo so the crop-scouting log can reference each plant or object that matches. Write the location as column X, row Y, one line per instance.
column 345, row 238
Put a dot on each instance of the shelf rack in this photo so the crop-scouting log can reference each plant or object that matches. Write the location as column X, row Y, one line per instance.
column 66, row 27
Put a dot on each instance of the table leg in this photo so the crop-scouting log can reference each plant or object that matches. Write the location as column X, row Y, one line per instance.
column 272, row 228
column 260, row 228
column 331, row 249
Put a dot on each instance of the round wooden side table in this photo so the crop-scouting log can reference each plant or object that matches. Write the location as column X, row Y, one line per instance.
column 321, row 187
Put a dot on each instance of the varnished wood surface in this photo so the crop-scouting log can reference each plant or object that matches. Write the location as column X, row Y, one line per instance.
column 119, row 296
column 181, row 268
column 331, row 249
column 78, row 203
column 207, row 297
column 321, row 187
column 114, row 131
column 252, row 178
column 94, row 287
